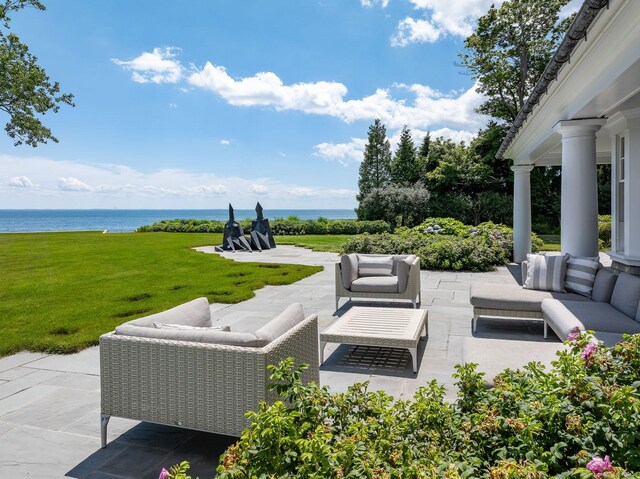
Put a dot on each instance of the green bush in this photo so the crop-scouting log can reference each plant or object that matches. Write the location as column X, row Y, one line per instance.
column 535, row 423
column 444, row 226
column 284, row 227
column 604, row 231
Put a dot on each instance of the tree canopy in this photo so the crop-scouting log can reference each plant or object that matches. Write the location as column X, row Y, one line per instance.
column 405, row 170
column 375, row 169
column 25, row 88
column 510, row 49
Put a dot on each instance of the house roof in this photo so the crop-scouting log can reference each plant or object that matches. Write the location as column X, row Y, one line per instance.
column 577, row 31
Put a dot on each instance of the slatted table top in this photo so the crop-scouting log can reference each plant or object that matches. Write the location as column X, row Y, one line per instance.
column 391, row 327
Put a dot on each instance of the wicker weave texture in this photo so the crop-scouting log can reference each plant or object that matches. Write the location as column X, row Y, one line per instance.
column 207, row 387
column 411, row 292
column 507, row 313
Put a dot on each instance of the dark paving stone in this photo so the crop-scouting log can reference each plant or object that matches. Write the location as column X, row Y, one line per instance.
column 89, row 466
column 136, row 461
column 156, row 436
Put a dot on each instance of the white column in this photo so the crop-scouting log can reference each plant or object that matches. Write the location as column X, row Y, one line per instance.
column 521, row 212
column 579, row 201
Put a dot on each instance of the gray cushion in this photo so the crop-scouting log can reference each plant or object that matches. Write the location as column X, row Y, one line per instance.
column 229, row 338
column 492, row 296
column 349, row 269
column 193, row 313
column 404, row 267
column 374, row 265
column 546, row 273
column 609, row 339
column 581, row 273
column 564, row 316
column 626, row 295
column 375, row 284
column 396, row 259
column 186, row 327
column 279, row 325
column 603, row 286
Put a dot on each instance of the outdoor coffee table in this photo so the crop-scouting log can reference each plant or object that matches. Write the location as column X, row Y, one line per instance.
column 381, row 327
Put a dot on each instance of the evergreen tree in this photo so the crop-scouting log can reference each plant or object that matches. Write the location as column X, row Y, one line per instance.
column 404, row 167
column 375, row 169
column 423, row 152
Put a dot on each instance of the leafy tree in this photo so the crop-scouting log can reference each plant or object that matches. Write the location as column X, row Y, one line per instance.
column 398, row 206
column 375, row 169
column 509, row 51
column 25, row 88
column 404, row 167
column 484, row 147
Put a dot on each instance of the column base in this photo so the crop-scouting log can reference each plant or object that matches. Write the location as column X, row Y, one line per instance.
column 625, row 268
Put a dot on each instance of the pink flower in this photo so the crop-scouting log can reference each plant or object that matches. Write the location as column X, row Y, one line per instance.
column 164, row 474
column 589, row 350
column 573, row 335
column 597, row 465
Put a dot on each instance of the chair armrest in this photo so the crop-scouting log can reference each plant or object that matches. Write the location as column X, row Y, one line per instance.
column 524, row 267
column 408, row 274
column 348, row 269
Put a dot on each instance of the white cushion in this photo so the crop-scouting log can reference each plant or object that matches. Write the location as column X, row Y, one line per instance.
column 581, row 273
column 186, row 327
column 375, row 265
column 546, row 273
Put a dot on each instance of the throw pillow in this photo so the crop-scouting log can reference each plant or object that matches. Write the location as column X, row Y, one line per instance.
column 546, row 273
column 581, row 274
column 375, row 265
column 185, row 327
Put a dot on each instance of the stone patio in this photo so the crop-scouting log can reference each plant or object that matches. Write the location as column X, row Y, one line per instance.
column 50, row 405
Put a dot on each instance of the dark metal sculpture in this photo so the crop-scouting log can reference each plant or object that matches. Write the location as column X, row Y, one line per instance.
column 233, row 237
column 261, row 235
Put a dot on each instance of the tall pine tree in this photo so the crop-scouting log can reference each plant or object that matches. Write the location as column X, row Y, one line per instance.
column 375, row 169
column 423, row 151
column 404, row 168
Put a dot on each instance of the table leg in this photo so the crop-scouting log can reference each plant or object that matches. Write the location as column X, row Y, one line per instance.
column 322, row 345
column 414, row 356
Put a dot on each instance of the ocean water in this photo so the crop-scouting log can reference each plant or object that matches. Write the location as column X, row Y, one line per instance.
column 128, row 220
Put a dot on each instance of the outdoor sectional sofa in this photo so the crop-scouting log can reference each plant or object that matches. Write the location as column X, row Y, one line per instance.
column 378, row 277
column 202, row 379
column 612, row 310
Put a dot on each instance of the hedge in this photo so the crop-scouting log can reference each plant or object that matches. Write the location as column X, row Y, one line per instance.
column 278, row 226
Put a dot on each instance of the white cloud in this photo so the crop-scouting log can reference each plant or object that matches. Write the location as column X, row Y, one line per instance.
column 415, row 31
column 211, row 189
column 72, row 184
column 371, row 3
column 159, row 66
column 428, row 108
column 20, row 182
column 225, row 142
column 440, row 18
column 173, row 105
column 343, row 153
column 258, row 189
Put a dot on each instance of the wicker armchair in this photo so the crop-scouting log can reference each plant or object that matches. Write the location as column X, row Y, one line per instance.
column 406, row 278
column 194, row 385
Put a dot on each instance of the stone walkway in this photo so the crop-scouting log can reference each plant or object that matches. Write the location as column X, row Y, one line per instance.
column 50, row 405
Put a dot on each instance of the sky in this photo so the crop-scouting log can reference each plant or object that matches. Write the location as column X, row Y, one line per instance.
column 200, row 103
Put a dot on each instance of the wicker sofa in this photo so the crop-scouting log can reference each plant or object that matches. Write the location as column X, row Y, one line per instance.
column 199, row 379
column 400, row 281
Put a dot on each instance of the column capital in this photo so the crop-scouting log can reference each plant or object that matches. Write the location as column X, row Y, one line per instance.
column 522, row 169
column 585, row 127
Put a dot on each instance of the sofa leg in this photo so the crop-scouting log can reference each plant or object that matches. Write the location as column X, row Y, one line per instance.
column 415, row 305
column 337, row 300
column 546, row 330
column 104, row 420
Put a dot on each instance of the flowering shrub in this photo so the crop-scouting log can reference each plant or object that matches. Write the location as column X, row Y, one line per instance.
column 579, row 419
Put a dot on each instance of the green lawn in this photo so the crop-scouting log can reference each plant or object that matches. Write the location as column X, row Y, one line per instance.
column 60, row 291
column 551, row 242
column 315, row 242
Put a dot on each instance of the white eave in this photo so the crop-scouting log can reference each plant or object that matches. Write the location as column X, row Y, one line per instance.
column 602, row 77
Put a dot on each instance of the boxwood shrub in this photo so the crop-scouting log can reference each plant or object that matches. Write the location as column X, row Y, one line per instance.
column 577, row 420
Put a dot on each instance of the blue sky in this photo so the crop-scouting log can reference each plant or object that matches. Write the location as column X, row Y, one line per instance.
column 195, row 104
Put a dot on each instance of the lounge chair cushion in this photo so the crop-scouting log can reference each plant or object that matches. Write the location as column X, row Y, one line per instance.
column 492, row 296
column 349, row 269
column 193, row 313
column 404, row 266
column 374, row 265
column 581, row 273
column 609, row 339
column 279, row 325
column 565, row 316
column 546, row 273
column 375, row 284
column 626, row 295
column 229, row 338
column 603, row 286
column 186, row 327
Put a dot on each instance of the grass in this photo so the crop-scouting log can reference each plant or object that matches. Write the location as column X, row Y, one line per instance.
column 315, row 242
column 60, row 291
column 551, row 242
